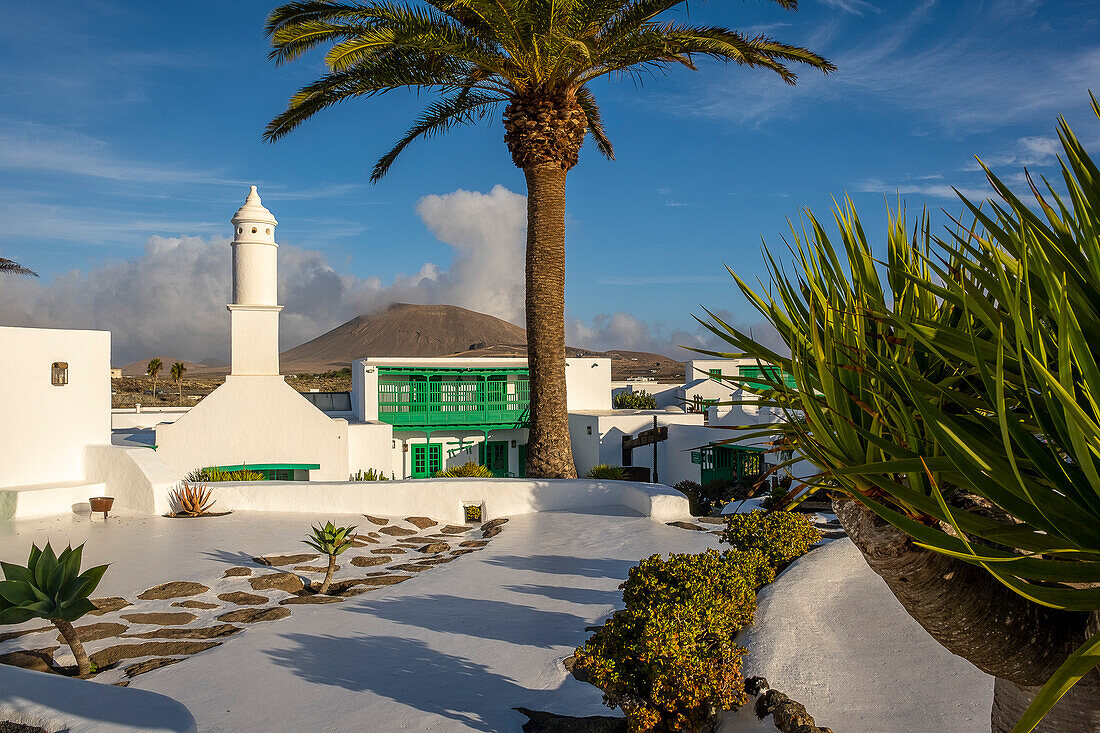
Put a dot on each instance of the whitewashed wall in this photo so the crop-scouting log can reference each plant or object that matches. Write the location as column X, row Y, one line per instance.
column 664, row 394
column 44, row 428
column 256, row 420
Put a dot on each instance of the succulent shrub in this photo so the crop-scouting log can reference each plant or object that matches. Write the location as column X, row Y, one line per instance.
column 369, row 475
column 466, row 470
column 669, row 660
column 328, row 539
column 690, row 489
column 634, row 401
column 53, row 588
column 606, row 472
column 192, row 499
column 779, row 536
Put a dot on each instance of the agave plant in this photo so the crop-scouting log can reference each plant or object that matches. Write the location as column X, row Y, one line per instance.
column 330, row 540
column 951, row 397
column 192, row 499
column 469, row 469
column 53, row 588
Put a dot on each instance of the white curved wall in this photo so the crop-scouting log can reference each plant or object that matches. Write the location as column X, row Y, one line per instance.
column 59, row 703
column 443, row 498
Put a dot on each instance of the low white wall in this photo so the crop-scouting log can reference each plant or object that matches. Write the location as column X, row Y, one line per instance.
column 136, row 477
column 371, row 445
column 33, row 501
column 443, row 498
column 59, row 703
column 128, row 418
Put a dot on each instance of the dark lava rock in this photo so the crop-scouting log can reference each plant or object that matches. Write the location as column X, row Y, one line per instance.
column 473, row 543
column 176, row 589
column 160, row 619
column 237, row 572
column 288, row 582
column 421, row 522
column 201, row 605
column 710, row 520
column 149, row 665
column 278, row 560
column 254, row 615
column 341, row 587
column 95, row 632
column 412, row 568
column 542, row 722
column 398, row 531
column 315, row 568
column 465, row 551
column 113, row 654
column 455, row 529
column 107, row 605
column 366, row 561
column 309, row 600
column 756, row 685
column 202, row 632
column 494, row 524
column 243, row 599
column 491, row 532
column 685, row 525
column 388, row 551
column 16, row 634
column 6, row 726
column 434, row 548
column 377, row 520
column 40, row 660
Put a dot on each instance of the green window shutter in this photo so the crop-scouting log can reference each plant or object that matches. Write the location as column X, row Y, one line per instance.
column 716, row 374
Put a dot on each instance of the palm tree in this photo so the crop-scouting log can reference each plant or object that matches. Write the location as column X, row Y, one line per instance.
column 538, row 59
column 177, row 376
column 14, row 268
column 153, row 370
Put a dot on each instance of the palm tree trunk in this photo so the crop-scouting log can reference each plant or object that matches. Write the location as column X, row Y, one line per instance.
column 328, row 575
column 549, row 454
column 976, row 617
column 68, row 633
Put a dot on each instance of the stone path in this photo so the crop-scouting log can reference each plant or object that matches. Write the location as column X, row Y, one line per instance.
column 260, row 590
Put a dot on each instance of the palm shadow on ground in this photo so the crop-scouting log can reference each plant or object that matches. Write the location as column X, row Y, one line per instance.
column 565, row 565
column 569, row 594
column 476, row 617
column 411, row 673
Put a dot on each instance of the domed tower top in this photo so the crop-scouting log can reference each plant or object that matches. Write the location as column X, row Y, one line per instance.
column 253, row 222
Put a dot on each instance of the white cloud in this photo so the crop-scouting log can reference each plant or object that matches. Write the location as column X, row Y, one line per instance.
column 934, row 190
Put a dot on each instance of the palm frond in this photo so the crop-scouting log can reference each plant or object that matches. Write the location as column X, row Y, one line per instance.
column 11, row 267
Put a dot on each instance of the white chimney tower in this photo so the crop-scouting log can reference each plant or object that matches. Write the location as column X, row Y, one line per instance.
column 254, row 312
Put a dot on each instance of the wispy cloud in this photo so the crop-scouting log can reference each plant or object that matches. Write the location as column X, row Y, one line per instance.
column 932, row 190
column 936, row 62
column 858, row 7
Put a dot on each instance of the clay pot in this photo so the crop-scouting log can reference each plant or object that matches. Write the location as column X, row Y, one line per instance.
column 102, row 504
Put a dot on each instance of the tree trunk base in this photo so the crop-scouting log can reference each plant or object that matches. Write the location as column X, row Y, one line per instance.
column 1077, row 712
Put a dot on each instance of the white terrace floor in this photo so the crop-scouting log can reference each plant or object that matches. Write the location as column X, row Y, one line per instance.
column 457, row 647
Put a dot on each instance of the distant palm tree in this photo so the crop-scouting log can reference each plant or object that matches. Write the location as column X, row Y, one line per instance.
column 153, row 370
column 14, row 268
column 177, row 375
column 538, row 59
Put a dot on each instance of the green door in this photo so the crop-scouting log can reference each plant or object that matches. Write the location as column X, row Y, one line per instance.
column 427, row 459
column 494, row 456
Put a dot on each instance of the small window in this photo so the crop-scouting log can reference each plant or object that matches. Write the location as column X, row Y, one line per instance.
column 253, row 230
column 59, row 373
column 716, row 374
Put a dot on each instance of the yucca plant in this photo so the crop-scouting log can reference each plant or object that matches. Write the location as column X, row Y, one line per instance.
column 466, row 470
column 606, row 472
column 370, row 474
column 53, row 588
column 950, row 395
column 192, row 499
column 330, row 540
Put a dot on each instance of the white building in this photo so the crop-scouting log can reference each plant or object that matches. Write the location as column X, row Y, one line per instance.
column 55, row 403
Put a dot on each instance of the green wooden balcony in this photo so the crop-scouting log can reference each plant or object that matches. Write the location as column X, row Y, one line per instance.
column 468, row 398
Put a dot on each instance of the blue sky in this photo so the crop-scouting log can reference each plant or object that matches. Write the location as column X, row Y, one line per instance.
column 129, row 132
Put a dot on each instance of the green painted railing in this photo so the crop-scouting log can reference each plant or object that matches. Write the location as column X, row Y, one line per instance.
column 467, row 398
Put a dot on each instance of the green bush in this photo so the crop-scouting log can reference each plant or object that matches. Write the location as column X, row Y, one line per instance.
column 779, row 536
column 606, row 472
column 690, row 489
column 369, row 475
column 668, row 660
column 328, row 539
column 634, row 401
column 466, row 470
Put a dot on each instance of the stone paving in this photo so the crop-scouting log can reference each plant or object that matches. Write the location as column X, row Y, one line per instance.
column 176, row 619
